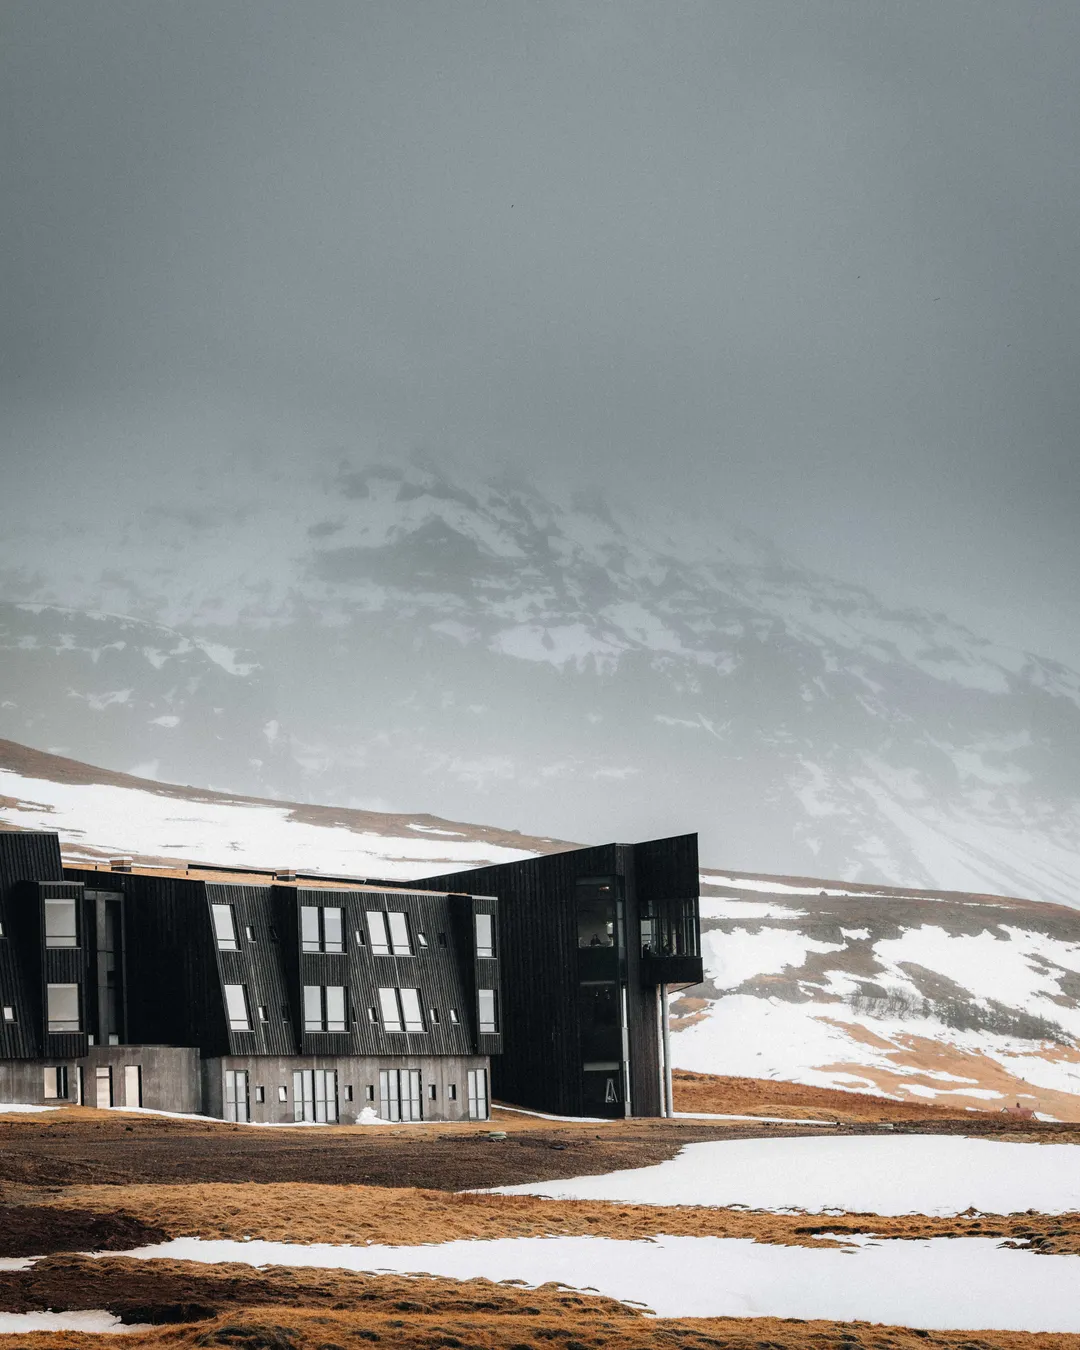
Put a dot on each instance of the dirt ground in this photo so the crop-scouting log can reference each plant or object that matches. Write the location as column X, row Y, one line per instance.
column 82, row 1180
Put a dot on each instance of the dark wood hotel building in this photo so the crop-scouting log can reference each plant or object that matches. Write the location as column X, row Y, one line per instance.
column 262, row 996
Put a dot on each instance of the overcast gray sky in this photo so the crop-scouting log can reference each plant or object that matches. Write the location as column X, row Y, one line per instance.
column 812, row 265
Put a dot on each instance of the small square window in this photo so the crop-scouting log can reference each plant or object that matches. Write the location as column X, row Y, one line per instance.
column 373, row 1015
column 264, row 1013
column 434, row 1016
column 273, row 933
column 369, row 1092
column 361, row 941
column 249, row 932
column 454, row 1016
column 442, row 939
column 1, row 930
column 9, row 1013
column 260, row 1094
column 451, row 1092
column 432, row 1092
column 283, row 1094
column 284, row 1012
column 348, row 1092
column 421, row 939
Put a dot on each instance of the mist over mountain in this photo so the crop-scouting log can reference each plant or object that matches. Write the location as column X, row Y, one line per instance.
column 401, row 639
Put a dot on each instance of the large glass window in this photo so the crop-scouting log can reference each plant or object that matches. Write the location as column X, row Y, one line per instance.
column 376, row 922
column 410, row 1009
column 321, row 928
column 325, row 1007
column 401, row 1010
column 224, row 928
column 388, row 1007
column 596, row 914
column 389, row 933
column 486, row 1003
column 60, row 924
column 237, row 1008
column 399, row 934
column 485, row 935
column 62, row 1001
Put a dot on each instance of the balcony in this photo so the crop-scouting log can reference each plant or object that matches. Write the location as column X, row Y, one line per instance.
column 656, row 969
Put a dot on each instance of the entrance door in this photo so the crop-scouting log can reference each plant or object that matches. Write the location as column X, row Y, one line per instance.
column 478, row 1094
column 132, row 1085
column 315, row 1095
column 103, row 1086
column 236, row 1095
column 399, row 1094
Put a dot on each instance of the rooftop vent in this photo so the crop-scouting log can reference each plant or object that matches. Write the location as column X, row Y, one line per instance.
column 120, row 864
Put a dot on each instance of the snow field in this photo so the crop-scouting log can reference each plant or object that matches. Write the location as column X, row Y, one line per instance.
column 937, row 1283
column 859, row 1174
column 129, row 821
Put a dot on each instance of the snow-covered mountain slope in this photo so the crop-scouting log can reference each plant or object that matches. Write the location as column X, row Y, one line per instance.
column 968, row 999
column 972, row 1000
column 100, row 815
column 385, row 637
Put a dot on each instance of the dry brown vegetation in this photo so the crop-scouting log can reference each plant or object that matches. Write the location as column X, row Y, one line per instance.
column 78, row 1180
column 327, row 1310
column 365, row 1214
column 765, row 1097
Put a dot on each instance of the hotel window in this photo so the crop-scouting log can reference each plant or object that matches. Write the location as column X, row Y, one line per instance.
column 376, row 926
column 63, row 1007
column 224, row 929
column 421, row 939
column 56, row 1082
column 324, row 1007
column 485, row 935
column 9, row 1013
column 236, row 1007
column 260, row 1094
column 401, row 1009
column 283, row 1094
column 264, row 1013
column 399, row 934
column 453, row 1016
column 348, row 1092
column 60, row 924
column 249, row 932
column 485, row 999
column 389, row 933
column 320, row 928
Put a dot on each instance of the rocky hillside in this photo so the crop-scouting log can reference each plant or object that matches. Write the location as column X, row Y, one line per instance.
column 394, row 640
column 951, row 998
column 933, row 997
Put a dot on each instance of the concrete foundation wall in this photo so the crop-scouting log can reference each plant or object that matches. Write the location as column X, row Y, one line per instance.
column 360, row 1074
column 167, row 1078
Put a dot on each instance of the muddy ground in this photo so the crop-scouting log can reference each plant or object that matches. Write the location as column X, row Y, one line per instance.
column 80, row 1146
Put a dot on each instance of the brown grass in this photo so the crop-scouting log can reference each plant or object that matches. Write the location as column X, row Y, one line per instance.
column 765, row 1097
column 423, row 1314
column 408, row 1217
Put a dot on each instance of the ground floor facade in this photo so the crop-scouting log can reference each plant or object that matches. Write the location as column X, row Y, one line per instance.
column 265, row 1089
